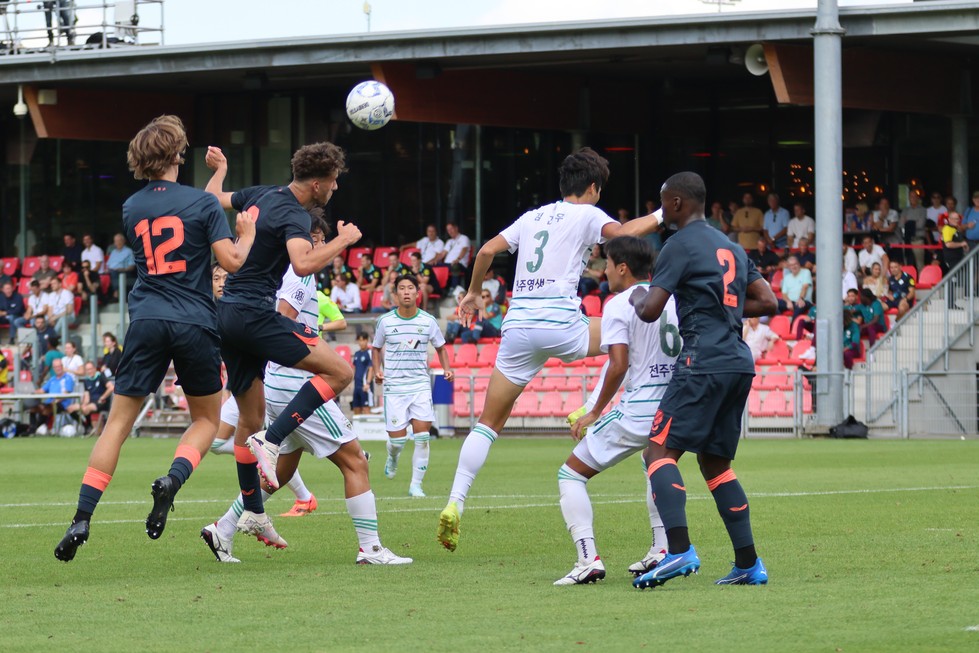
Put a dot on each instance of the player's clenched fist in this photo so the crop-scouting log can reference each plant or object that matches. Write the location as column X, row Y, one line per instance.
column 245, row 224
column 348, row 231
column 215, row 159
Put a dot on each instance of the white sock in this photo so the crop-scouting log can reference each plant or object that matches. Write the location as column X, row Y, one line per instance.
column 419, row 459
column 472, row 457
column 229, row 521
column 363, row 511
column 299, row 488
column 395, row 445
column 577, row 511
column 593, row 397
column 223, row 446
column 656, row 524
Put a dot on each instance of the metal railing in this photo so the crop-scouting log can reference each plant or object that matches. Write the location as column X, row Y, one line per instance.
column 31, row 26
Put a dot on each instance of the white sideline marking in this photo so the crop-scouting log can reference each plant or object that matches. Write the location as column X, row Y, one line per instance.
column 972, row 629
column 516, row 506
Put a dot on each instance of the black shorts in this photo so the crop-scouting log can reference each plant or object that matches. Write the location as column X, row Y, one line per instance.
column 251, row 337
column 152, row 344
column 361, row 398
column 701, row 413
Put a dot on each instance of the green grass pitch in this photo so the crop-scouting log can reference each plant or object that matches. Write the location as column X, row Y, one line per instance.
column 870, row 546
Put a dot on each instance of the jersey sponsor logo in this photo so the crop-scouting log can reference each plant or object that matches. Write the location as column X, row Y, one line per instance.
column 410, row 344
column 300, row 295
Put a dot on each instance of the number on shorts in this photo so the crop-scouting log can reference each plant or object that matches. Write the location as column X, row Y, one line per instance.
column 156, row 261
column 669, row 337
column 726, row 258
column 539, row 251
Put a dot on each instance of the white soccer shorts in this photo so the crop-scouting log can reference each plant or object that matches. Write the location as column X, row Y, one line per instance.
column 322, row 433
column 612, row 439
column 229, row 412
column 523, row 351
column 399, row 410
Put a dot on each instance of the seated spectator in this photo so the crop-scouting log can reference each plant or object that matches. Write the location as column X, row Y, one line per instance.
column 954, row 245
column 488, row 322
column 111, row 354
column 851, row 340
column 370, row 275
column 759, row 338
column 97, row 397
column 873, row 322
column 807, row 257
column 5, row 278
column 870, row 254
column 716, row 217
column 92, row 253
column 850, row 261
column 900, row 290
column 764, row 259
column 428, row 283
column 796, row 288
column 44, row 273
column 73, row 363
column 11, row 310
column 45, row 363
column 861, row 219
column 885, row 223
column 852, row 304
column 914, row 229
column 876, row 282
column 456, row 254
column 324, row 279
column 43, row 333
column 60, row 383
column 453, row 323
column 345, row 295
column 72, row 251
column 90, row 283
column 430, row 246
column 594, row 272
column 800, row 226
column 61, row 305
column 395, row 267
column 496, row 285
column 806, row 324
column 120, row 261
column 388, row 300
column 69, row 277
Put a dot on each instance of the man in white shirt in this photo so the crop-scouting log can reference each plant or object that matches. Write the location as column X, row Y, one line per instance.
column 92, row 253
column 800, row 226
column 345, row 295
column 61, row 305
column 870, row 254
column 430, row 246
column 457, row 247
column 885, row 221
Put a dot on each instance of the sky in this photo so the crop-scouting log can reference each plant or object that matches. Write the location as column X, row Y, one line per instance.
column 209, row 21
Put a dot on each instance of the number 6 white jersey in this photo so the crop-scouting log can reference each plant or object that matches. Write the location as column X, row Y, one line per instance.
column 653, row 350
column 552, row 245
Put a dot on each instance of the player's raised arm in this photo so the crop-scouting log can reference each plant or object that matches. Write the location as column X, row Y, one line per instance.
column 307, row 259
column 618, row 366
column 649, row 305
column 639, row 227
column 759, row 300
column 231, row 255
column 216, row 161
column 470, row 304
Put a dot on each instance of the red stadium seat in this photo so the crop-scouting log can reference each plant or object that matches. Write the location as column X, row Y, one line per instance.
column 480, row 384
column 344, row 352
column 549, row 404
column 406, row 255
column 592, row 305
column 56, row 262
column 376, row 299
column 10, row 265
column 442, row 274
column 782, row 327
column 754, row 403
column 776, row 378
column 354, row 254
column 798, row 351
column 807, row 403
column 777, row 282
column 381, row 256
column 930, row 276
column 365, row 301
column 526, row 406
column 773, row 404
column 779, row 353
column 24, row 286
column 466, row 356
column 487, row 355
column 105, row 282
column 31, row 265
column 460, row 404
column 911, row 270
column 554, row 383
column 461, row 384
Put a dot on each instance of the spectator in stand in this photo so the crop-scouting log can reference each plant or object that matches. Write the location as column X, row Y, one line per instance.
column 936, row 216
column 796, row 288
column 44, row 273
column 748, row 222
column 370, row 275
column 11, row 310
column 430, row 246
column 36, row 304
column 453, row 324
column 457, row 250
column 594, row 272
column 876, row 282
column 111, row 354
column 428, row 283
column 776, row 222
column 622, row 215
column 92, row 253
column 73, row 363
column 69, row 277
column 874, row 321
column 759, row 338
column 954, row 245
column 327, row 278
column 914, row 226
column 900, row 289
column 800, row 226
column 850, row 262
column 806, row 323
column 5, row 278
column 870, row 254
column 395, row 267
column 861, row 220
column 764, row 259
column 886, row 222
column 45, row 363
column 345, row 295
column 61, row 305
column 89, row 283
column 388, row 300
column 72, row 250
column 970, row 221
column 121, row 261
column 496, row 285
column 488, row 322
column 60, row 383
column 716, row 217
column 97, row 397
column 807, row 257
column 4, row 369
column 849, row 281
column 851, row 340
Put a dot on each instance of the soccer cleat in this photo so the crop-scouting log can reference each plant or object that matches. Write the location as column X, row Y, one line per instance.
column 302, row 508
column 581, row 574
column 391, row 466
column 267, row 455
column 415, row 490
column 75, row 536
column 378, row 555
column 673, row 565
column 755, row 575
column 448, row 530
column 259, row 525
column 163, row 491
column 649, row 561
column 220, row 547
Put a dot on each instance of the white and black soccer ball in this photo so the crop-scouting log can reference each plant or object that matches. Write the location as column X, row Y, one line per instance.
column 69, row 431
column 370, row 105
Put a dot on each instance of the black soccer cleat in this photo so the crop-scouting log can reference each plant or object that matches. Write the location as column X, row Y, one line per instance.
column 163, row 491
column 75, row 536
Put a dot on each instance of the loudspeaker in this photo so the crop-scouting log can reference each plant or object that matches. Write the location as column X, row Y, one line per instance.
column 754, row 60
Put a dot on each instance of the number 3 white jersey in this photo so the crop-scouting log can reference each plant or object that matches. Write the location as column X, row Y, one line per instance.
column 653, row 350
column 552, row 245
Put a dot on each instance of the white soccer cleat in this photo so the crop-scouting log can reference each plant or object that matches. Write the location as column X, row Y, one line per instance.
column 583, row 574
column 260, row 526
column 220, row 547
column 648, row 563
column 391, row 466
column 415, row 490
column 378, row 555
column 267, row 455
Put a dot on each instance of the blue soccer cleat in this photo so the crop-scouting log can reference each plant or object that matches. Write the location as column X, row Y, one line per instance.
column 673, row 565
column 755, row 575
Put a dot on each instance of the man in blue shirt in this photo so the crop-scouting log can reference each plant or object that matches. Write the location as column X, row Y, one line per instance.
column 120, row 260
column 11, row 310
column 776, row 222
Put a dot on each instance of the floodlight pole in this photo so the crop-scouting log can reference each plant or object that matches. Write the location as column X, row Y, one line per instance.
column 828, row 94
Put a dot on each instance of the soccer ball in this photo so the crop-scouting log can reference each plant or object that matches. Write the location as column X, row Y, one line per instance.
column 68, row 431
column 370, row 105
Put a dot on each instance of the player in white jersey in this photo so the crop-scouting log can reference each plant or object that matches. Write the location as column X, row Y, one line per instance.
column 544, row 320
column 400, row 362
column 642, row 355
column 325, row 434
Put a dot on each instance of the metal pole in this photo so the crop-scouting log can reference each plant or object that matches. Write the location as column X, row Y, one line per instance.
column 828, row 93
column 122, row 304
column 960, row 161
column 22, row 245
column 93, row 314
